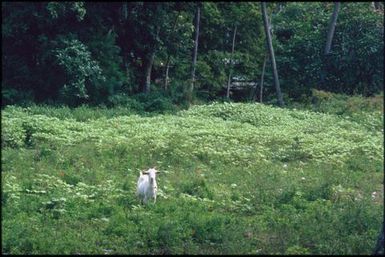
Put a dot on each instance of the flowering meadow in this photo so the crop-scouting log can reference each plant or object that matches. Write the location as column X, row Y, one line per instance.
column 237, row 178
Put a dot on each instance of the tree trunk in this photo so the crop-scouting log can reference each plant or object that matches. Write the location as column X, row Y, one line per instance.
column 271, row 51
column 231, row 64
column 197, row 20
column 126, row 67
column 332, row 26
column 166, row 73
column 255, row 94
column 124, row 47
column 168, row 57
column 262, row 77
column 125, row 11
column 148, row 68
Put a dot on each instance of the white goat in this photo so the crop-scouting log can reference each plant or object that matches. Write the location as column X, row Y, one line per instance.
column 147, row 186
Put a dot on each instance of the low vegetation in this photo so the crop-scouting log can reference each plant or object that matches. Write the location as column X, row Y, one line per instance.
column 236, row 179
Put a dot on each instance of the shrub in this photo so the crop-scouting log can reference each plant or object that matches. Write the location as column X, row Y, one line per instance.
column 81, row 71
column 155, row 102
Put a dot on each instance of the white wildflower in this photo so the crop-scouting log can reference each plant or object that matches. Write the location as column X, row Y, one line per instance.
column 374, row 195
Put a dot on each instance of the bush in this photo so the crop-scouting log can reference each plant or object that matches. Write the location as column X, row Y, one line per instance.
column 155, row 101
column 12, row 96
column 82, row 72
column 340, row 104
column 125, row 101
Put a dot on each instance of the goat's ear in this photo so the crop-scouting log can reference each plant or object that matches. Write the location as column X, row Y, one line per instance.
column 145, row 172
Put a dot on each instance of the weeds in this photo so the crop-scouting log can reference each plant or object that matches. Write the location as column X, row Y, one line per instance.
column 238, row 179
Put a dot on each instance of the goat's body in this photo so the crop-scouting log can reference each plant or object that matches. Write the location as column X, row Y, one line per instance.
column 147, row 187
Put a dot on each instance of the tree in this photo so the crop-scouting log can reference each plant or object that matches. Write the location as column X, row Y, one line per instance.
column 271, row 52
column 132, row 44
column 145, row 20
column 265, row 59
column 167, row 68
column 176, row 34
column 152, row 26
column 332, row 26
column 329, row 38
column 173, row 58
column 195, row 54
column 149, row 61
column 355, row 62
column 231, row 63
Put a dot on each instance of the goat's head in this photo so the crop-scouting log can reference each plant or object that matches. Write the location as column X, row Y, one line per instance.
column 151, row 173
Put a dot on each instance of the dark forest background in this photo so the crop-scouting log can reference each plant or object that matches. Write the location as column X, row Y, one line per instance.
column 73, row 53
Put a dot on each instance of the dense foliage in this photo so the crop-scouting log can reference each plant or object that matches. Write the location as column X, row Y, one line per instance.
column 355, row 64
column 237, row 179
column 98, row 53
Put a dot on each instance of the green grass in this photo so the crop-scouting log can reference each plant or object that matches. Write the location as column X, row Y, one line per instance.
column 237, row 179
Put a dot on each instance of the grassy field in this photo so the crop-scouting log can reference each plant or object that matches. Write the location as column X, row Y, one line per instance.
column 237, row 179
